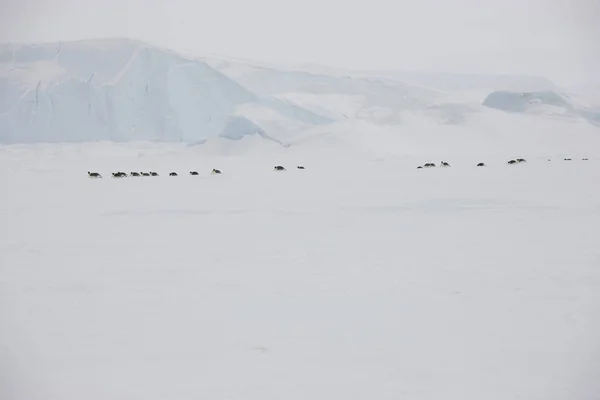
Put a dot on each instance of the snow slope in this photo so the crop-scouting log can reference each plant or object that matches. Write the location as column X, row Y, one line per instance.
column 388, row 98
column 121, row 90
column 360, row 277
column 339, row 97
column 445, row 81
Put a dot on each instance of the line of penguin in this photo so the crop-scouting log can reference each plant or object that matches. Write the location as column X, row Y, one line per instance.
column 215, row 171
column 445, row 164
column 510, row 162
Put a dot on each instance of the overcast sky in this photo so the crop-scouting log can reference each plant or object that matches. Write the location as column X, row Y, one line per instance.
column 554, row 38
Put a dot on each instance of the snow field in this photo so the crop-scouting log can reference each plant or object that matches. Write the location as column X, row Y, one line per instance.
column 357, row 278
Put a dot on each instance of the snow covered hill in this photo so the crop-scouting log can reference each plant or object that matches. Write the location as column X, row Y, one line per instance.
column 124, row 90
column 384, row 98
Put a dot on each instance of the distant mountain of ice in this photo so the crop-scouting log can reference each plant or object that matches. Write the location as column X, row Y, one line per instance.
column 125, row 90
column 391, row 97
column 121, row 90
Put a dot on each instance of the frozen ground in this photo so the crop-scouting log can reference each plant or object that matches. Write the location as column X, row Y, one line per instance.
column 357, row 278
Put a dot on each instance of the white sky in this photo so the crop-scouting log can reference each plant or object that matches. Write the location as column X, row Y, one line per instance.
column 554, row 38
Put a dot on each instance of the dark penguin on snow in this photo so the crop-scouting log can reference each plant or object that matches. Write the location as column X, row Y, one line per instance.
column 94, row 175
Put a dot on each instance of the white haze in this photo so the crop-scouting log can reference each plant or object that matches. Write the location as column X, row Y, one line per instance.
column 536, row 37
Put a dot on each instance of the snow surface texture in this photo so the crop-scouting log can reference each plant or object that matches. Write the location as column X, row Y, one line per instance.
column 360, row 277
column 123, row 90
